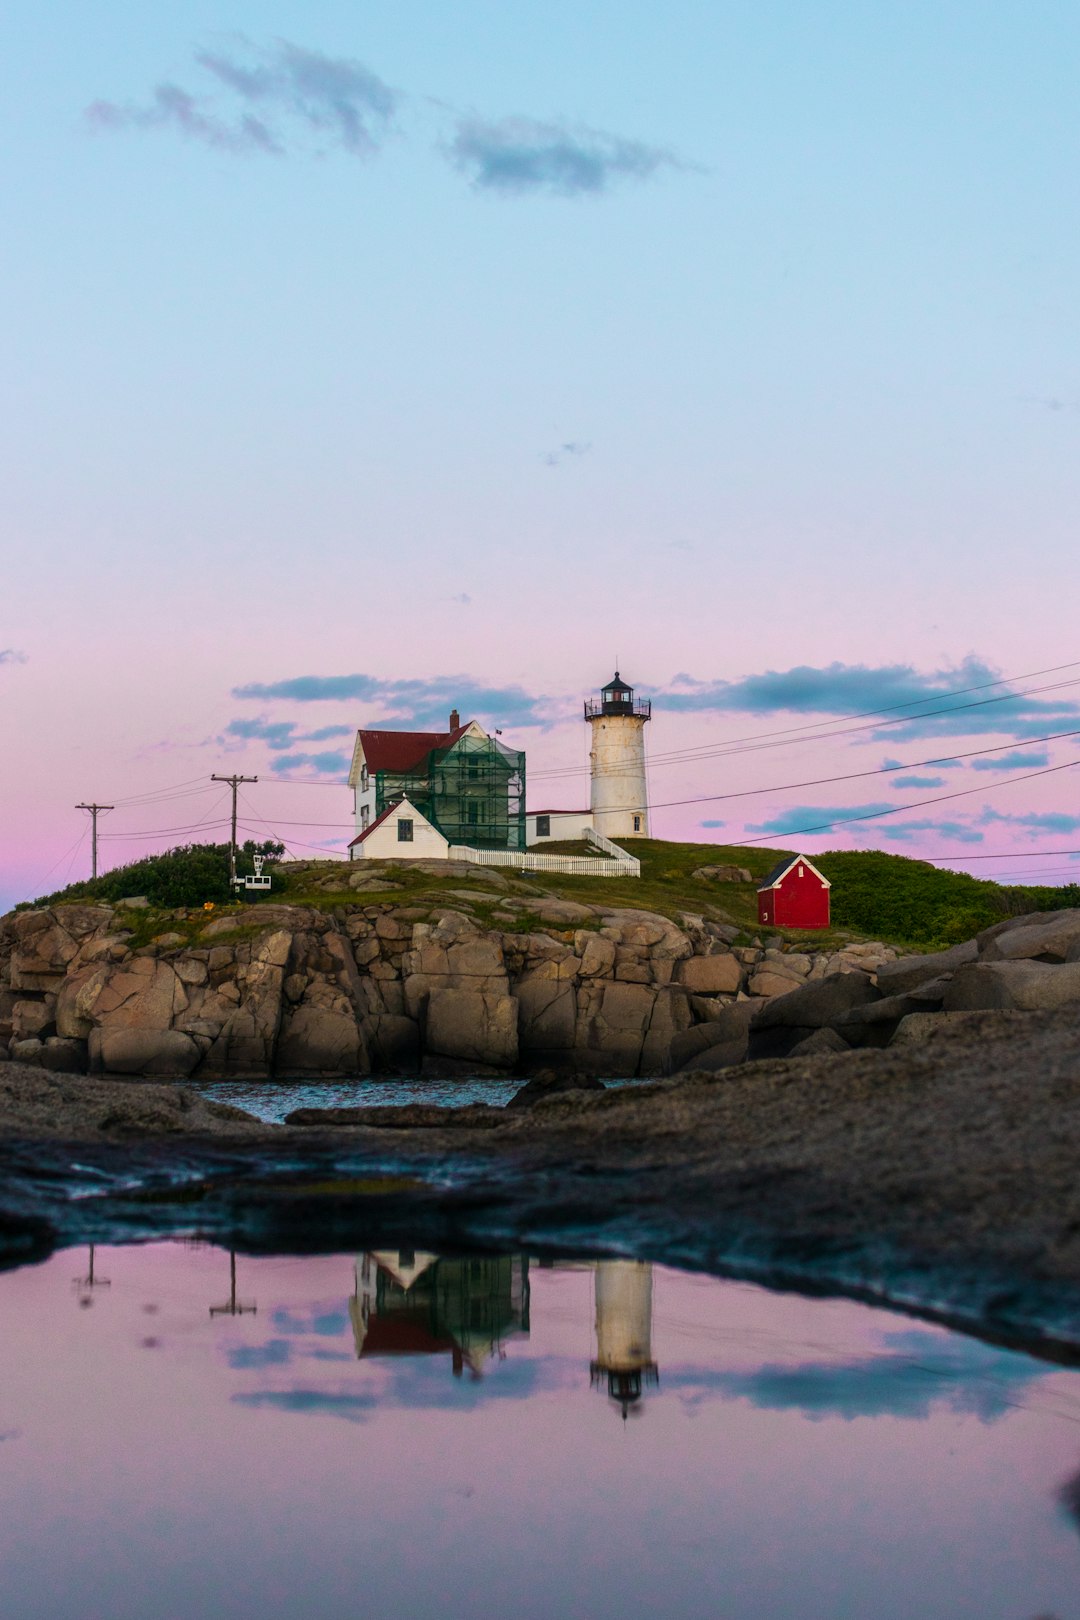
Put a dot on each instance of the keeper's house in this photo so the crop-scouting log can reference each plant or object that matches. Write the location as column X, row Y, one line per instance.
column 794, row 895
column 419, row 791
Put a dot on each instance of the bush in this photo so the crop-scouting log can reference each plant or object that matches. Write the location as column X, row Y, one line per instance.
column 895, row 898
column 189, row 875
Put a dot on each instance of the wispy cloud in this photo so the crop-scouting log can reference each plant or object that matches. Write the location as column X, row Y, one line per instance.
column 799, row 816
column 275, row 100
column 918, row 1373
column 904, row 831
column 862, row 689
column 917, row 782
column 323, row 764
column 523, row 155
column 11, row 655
column 425, row 704
column 1032, row 821
column 572, row 448
column 1015, row 761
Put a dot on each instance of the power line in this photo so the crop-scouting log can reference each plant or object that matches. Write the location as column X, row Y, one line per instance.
column 919, row 804
column 724, row 750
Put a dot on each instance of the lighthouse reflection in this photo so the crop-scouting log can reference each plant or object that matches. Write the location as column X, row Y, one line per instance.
column 409, row 1302
column 624, row 1360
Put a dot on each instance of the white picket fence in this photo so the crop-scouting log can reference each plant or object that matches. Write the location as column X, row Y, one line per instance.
column 615, row 862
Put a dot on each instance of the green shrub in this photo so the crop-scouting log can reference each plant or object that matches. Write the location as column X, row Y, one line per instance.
column 189, row 875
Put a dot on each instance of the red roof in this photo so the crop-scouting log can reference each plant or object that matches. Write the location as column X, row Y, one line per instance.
column 403, row 1333
column 401, row 750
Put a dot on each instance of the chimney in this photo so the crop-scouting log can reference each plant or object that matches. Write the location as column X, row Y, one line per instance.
column 455, row 719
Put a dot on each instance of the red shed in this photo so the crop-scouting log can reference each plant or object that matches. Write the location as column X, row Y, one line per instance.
column 794, row 895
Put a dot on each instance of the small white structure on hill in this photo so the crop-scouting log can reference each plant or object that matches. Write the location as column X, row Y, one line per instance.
column 401, row 833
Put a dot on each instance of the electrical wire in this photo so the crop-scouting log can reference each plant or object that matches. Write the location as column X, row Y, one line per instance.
column 919, row 804
column 725, row 750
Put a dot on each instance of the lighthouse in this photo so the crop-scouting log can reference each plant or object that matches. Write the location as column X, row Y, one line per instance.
column 624, row 1360
column 619, row 800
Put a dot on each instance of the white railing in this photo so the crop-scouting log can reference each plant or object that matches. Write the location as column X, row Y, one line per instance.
column 614, row 850
column 568, row 865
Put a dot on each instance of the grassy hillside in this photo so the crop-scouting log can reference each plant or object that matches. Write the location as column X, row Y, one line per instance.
column 874, row 895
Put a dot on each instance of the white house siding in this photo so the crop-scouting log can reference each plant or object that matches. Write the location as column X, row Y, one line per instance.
column 617, row 761
column 383, row 843
column 566, row 826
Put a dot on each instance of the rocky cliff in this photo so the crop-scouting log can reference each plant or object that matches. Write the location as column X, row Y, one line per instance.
column 478, row 980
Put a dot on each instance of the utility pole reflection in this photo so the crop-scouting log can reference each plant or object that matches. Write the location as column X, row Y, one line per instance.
column 85, row 1285
column 232, row 1306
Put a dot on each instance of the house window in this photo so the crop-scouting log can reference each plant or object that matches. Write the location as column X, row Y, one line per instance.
column 543, row 826
column 365, row 817
column 637, row 823
column 364, row 778
column 404, row 830
column 801, row 873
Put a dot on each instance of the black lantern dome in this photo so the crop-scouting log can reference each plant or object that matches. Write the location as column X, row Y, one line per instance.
column 617, row 698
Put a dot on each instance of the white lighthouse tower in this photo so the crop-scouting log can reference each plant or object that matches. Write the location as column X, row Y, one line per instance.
column 617, row 761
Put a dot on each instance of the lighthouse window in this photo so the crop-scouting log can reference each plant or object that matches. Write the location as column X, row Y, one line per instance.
column 637, row 823
column 404, row 830
column 543, row 826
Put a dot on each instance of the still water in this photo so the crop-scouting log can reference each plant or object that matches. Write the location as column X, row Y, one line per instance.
column 185, row 1435
column 271, row 1100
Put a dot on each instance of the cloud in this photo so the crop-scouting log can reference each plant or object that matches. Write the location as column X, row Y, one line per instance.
column 815, row 815
column 572, row 447
column 11, row 655
column 862, row 689
column 522, row 155
column 266, row 99
column 962, row 831
column 421, row 703
column 274, row 1353
column 463, row 599
column 324, row 764
column 356, row 1408
column 917, row 782
column 1015, row 761
column 712, row 823
column 1033, row 821
column 917, row 1374
column 282, row 734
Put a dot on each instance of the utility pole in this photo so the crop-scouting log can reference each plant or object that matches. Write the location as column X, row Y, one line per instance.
column 234, row 782
column 95, row 810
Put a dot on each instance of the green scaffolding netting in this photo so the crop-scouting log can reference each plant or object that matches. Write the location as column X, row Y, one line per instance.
column 473, row 792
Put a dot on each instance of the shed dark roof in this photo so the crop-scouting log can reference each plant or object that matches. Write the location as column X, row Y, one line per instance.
column 784, row 866
column 400, row 750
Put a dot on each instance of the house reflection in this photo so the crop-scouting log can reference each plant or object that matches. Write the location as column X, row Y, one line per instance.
column 624, row 1361
column 411, row 1303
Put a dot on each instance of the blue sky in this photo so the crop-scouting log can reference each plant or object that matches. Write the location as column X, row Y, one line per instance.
column 457, row 351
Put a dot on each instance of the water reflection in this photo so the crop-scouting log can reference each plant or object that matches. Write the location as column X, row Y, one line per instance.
column 798, row 1459
column 85, row 1285
column 415, row 1304
column 623, row 1293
